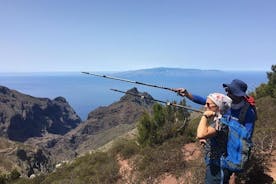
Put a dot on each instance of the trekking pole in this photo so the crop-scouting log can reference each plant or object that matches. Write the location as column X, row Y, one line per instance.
column 160, row 101
column 130, row 81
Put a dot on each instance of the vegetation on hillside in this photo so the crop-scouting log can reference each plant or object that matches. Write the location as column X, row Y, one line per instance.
column 268, row 89
column 157, row 149
column 264, row 137
column 10, row 177
column 162, row 125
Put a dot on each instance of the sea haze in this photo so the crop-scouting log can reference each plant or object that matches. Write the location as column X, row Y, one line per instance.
column 85, row 92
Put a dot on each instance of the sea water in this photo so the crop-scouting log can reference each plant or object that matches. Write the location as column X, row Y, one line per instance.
column 85, row 92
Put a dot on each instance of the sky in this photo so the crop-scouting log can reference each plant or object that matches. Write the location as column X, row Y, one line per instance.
column 120, row 35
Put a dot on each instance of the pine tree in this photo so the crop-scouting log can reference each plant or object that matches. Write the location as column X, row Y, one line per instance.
column 161, row 125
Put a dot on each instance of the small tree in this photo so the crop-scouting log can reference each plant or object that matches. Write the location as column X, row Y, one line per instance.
column 268, row 89
column 148, row 127
column 144, row 129
column 161, row 125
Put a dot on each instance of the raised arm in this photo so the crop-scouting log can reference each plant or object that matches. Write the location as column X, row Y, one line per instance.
column 194, row 98
column 204, row 130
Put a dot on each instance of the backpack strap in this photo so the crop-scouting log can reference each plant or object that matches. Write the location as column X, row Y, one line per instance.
column 255, row 110
column 227, row 118
column 243, row 112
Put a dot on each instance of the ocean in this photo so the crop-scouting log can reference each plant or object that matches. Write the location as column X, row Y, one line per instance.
column 85, row 92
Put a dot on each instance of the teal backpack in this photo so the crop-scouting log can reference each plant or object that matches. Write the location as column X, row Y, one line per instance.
column 238, row 145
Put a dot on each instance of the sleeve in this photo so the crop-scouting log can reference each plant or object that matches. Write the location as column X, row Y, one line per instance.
column 198, row 99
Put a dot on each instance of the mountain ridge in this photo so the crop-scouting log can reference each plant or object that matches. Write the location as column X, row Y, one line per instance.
column 23, row 116
column 123, row 113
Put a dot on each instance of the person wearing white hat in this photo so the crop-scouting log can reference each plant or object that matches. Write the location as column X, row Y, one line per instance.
column 214, row 135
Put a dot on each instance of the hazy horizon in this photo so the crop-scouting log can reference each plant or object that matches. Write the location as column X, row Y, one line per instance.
column 119, row 71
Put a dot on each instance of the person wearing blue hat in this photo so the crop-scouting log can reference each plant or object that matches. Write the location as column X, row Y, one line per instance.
column 240, row 107
column 236, row 90
column 236, row 87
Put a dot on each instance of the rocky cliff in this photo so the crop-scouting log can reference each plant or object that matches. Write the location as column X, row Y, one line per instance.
column 23, row 116
column 103, row 124
column 37, row 133
column 26, row 124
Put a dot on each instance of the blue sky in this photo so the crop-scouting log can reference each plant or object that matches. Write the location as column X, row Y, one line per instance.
column 116, row 35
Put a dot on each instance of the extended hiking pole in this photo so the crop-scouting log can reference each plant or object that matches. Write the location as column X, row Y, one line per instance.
column 130, row 81
column 160, row 101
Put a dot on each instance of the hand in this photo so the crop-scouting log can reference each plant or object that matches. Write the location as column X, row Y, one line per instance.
column 181, row 91
column 209, row 113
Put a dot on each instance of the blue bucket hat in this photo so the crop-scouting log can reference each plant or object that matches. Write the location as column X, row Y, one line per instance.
column 237, row 87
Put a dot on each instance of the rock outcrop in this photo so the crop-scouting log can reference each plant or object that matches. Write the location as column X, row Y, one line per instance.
column 23, row 116
column 103, row 125
column 45, row 132
column 34, row 161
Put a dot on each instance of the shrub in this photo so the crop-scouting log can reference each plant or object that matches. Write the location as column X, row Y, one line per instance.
column 268, row 89
column 155, row 161
column 255, row 171
column 126, row 148
column 14, row 175
column 162, row 125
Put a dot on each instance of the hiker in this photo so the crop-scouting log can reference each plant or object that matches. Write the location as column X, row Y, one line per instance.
column 243, row 107
column 214, row 134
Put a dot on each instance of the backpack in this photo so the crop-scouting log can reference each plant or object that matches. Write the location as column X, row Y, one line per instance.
column 250, row 102
column 238, row 145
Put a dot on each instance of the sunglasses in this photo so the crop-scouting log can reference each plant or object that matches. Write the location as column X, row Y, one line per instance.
column 210, row 105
